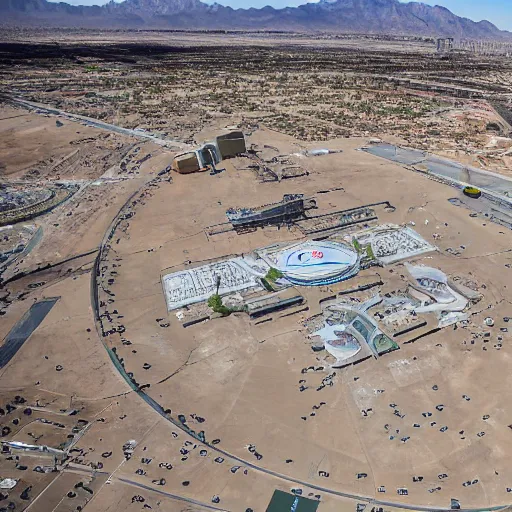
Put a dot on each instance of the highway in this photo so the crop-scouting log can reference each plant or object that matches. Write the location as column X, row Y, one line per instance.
column 95, row 123
column 492, row 183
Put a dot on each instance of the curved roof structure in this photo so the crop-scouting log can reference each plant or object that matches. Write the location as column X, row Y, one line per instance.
column 315, row 263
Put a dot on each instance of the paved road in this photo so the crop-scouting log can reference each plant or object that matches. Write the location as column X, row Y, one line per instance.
column 169, row 495
column 75, row 468
column 455, row 172
column 44, row 109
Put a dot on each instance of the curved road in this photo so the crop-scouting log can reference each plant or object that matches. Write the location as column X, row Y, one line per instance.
column 158, row 408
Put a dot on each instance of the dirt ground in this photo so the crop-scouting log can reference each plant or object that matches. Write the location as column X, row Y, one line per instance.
column 239, row 375
column 182, row 434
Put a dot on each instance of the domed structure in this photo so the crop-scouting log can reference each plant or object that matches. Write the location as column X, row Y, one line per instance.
column 315, row 263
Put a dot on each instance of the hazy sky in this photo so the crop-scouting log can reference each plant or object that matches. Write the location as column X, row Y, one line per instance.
column 498, row 12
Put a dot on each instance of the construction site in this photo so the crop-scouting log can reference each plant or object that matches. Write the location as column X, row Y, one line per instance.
column 224, row 294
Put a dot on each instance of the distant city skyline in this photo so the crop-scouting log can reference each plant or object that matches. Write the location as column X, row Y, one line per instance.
column 498, row 12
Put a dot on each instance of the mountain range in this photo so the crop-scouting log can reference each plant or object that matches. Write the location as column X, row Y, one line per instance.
column 337, row 16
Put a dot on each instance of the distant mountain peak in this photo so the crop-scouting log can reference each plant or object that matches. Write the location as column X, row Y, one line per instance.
column 156, row 7
column 353, row 16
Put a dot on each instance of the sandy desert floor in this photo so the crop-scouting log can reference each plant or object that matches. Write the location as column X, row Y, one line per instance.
column 129, row 446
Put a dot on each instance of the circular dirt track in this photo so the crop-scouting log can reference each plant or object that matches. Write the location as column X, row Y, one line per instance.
column 240, row 382
column 22, row 204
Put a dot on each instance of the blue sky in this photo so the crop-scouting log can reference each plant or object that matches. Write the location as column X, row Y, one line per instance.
column 498, row 12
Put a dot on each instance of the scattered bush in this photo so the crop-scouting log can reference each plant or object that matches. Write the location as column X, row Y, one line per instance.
column 215, row 302
column 273, row 274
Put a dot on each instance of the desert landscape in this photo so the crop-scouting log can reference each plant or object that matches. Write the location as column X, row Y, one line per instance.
column 247, row 271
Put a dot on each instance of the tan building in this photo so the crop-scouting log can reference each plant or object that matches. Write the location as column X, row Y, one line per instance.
column 210, row 154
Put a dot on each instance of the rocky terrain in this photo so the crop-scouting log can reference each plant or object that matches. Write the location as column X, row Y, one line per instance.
column 309, row 88
column 340, row 16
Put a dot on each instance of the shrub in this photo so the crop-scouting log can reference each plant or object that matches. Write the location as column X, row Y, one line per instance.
column 215, row 302
column 273, row 274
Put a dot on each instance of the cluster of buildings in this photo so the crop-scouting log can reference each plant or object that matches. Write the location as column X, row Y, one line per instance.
column 210, row 154
column 336, row 247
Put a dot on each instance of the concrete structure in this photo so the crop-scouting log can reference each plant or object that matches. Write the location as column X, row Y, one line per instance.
column 441, row 298
column 483, row 47
column 445, row 44
column 198, row 284
column 8, row 483
column 337, row 220
column 22, row 204
column 292, row 207
column 230, row 144
column 390, row 243
column 198, row 160
column 272, row 303
column 350, row 335
column 28, row 449
column 210, row 154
